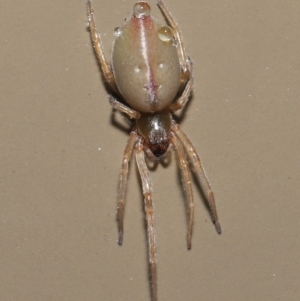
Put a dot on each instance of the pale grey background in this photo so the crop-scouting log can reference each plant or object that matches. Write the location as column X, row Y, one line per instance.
column 60, row 158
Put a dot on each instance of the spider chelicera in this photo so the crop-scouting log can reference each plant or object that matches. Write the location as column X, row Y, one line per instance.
column 148, row 68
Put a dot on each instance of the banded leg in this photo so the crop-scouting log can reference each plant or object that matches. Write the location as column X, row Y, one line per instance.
column 195, row 160
column 187, row 187
column 123, row 183
column 95, row 36
column 147, row 192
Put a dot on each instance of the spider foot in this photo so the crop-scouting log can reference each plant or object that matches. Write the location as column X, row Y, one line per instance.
column 218, row 227
column 120, row 240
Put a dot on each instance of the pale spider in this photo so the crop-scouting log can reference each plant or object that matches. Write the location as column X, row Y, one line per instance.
column 148, row 68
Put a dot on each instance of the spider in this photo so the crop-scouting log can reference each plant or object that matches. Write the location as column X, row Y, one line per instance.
column 149, row 67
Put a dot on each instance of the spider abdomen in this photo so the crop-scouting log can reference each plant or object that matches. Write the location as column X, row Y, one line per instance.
column 145, row 62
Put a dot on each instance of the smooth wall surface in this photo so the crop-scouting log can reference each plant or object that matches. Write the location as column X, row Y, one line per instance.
column 61, row 150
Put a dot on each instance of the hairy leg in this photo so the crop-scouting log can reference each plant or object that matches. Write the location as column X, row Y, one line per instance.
column 123, row 182
column 96, row 40
column 187, row 187
column 147, row 192
column 184, row 98
column 195, row 160
column 123, row 108
column 181, row 51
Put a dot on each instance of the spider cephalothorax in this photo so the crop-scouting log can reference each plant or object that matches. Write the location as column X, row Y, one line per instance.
column 155, row 129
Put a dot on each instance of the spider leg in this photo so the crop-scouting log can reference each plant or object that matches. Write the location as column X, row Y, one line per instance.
column 185, row 62
column 96, row 40
column 183, row 99
column 184, row 59
column 186, row 182
column 123, row 108
column 123, row 182
column 195, row 160
column 147, row 192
